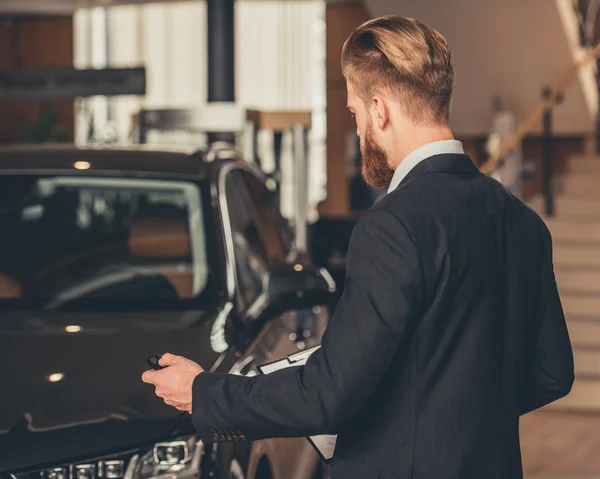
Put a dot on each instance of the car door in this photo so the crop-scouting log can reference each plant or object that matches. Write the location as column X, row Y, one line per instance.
column 260, row 240
column 250, row 259
column 279, row 246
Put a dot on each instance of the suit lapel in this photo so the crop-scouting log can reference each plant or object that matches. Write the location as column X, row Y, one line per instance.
column 444, row 163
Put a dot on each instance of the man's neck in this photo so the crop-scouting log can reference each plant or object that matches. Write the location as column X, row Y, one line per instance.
column 418, row 137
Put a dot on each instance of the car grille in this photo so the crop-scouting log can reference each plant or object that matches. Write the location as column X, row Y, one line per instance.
column 106, row 467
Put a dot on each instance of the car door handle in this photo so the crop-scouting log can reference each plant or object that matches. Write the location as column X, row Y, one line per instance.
column 244, row 366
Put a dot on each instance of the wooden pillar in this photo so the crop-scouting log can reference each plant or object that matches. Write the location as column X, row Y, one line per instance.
column 34, row 42
column 342, row 19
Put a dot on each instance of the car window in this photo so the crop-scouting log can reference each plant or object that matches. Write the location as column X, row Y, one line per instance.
column 270, row 221
column 251, row 259
column 75, row 241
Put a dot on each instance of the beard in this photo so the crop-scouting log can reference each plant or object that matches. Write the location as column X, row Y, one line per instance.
column 375, row 169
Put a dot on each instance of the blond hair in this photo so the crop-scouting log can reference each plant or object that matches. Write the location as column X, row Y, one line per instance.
column 405, row 58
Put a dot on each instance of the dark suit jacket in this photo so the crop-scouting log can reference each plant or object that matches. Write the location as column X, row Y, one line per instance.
column 450, row 328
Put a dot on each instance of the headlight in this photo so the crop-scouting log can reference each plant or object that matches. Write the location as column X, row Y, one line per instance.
column 171, row 453
column 180, row 459
column 113, row 469
column 55, row 473
column 84, row 471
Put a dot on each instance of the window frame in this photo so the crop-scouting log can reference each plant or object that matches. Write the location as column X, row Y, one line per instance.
column 255, row 308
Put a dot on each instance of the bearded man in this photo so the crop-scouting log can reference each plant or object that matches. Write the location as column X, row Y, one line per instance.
column 450, row 327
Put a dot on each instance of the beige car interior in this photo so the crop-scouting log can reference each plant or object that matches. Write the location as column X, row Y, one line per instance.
column 163, row 241
column 10, row 288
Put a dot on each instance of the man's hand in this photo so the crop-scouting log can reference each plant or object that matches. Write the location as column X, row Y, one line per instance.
column 174, row 383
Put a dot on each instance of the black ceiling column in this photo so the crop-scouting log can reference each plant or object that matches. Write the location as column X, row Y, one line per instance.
column 221, row 55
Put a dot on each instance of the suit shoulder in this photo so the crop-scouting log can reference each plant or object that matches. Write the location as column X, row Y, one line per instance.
column 384, row 226
column 396, row 200
column 405, row 203
column 387, row 209
column 536, row 221
column 382, row 221
column 380, row 213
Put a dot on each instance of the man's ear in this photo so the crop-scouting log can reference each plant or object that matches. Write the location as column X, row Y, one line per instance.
column 381, row 111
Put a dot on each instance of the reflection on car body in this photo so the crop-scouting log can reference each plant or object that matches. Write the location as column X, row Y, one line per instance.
column 142, row 252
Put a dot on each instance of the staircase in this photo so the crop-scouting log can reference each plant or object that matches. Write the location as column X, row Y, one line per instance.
column 576, row 237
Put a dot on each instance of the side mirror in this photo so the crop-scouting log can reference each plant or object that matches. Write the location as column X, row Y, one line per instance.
column 297, row 286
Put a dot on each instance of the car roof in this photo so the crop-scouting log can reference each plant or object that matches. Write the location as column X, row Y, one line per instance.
column 131, row 159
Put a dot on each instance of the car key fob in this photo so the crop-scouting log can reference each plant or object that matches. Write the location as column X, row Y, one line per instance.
column 153, row 362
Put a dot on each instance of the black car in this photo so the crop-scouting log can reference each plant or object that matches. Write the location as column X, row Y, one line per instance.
column 108, row 256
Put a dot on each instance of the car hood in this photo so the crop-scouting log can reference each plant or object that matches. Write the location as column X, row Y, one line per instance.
column 79, row 394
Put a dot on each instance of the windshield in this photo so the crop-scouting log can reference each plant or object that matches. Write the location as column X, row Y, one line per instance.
column 81, row 242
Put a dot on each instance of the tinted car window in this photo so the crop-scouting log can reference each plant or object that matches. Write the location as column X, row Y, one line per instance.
column 84, row 241
column 272, row 228
column 251, row 258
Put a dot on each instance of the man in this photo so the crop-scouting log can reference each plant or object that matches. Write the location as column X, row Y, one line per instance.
column 450, row 327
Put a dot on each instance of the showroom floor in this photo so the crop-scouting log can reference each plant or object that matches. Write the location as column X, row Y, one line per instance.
column 561, row 445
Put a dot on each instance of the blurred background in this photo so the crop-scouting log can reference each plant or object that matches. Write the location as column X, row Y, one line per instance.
column 110, row 72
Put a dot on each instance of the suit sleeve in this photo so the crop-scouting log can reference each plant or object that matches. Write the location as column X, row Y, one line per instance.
column 383, row 298
column 551, row 374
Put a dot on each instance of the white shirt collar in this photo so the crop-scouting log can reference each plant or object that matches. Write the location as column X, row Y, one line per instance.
column 422, row 153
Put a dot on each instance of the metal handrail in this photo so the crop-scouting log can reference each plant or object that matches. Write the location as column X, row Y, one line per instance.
column 536, row 116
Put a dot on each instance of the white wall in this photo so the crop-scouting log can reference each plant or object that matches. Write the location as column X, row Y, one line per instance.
column 280, row 64
column 507, row 47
